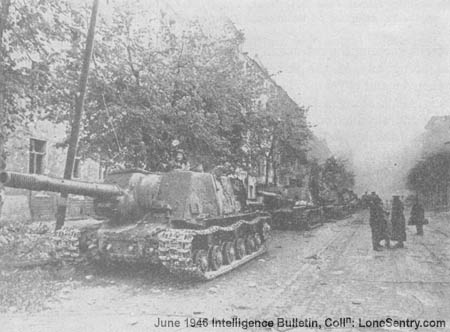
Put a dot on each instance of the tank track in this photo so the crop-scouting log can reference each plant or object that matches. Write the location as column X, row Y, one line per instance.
column 75, row 244
column 67, row 244
column 178, row 248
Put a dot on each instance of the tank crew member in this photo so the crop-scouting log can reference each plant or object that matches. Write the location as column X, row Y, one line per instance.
column 417, row 216
column 180, row 161
column 398, row 222
column 378, row 222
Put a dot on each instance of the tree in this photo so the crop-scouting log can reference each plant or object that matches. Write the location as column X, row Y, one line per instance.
column 336, row 175
column 151, row 85
column 29, row 33
column 429, row 173
column 277, row 131
column 4, row 13
column 153, row 81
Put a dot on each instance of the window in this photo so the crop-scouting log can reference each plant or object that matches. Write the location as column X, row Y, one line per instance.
column 37, row 155
column 76, row 168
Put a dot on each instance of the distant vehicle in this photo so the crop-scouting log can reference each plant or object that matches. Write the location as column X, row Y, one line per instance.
column 291, row 208
column 340, row 204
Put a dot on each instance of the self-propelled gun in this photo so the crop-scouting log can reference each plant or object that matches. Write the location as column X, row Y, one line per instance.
column 193, row 223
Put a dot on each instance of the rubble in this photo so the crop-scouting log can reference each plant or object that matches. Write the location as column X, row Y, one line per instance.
column 22, row 243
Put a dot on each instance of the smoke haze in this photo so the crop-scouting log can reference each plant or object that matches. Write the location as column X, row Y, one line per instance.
column 373, row 72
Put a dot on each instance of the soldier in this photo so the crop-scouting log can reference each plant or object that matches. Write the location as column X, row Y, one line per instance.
column 180, row 161
column 374, row 198
column 364, row 202
column 178, row 158
column 387, row 204
column 398, row 222
column 417, row 216
column 378, row 222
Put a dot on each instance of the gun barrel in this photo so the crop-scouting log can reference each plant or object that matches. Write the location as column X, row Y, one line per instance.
column 46, row 183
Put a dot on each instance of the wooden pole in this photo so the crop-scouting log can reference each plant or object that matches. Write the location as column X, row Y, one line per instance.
column 3, row 117
column 74, row 134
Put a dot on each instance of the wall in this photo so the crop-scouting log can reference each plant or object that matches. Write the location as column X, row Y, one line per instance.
column 22, row 205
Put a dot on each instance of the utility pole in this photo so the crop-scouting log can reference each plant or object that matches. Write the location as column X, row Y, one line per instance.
column 4, row 13
column 74, row 134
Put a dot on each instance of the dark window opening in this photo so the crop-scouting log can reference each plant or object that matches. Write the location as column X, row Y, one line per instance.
column 37, row 156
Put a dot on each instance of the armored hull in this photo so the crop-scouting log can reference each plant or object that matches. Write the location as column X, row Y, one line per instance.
column 345, row 205
column 286, row 213
column 335, row 212
column 297, row 217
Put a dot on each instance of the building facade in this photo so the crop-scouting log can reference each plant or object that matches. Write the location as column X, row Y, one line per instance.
column 38, row 148
column 436, row 139
column 289, row 171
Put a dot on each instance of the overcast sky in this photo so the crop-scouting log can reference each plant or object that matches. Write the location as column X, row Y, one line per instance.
column 373, row 72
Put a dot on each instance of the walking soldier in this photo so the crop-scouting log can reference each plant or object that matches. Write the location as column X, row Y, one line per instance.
column 378, row 222
column 398, row 222
column 417, row 216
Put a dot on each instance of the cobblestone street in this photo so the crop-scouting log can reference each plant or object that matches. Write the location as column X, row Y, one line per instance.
column 329, row 272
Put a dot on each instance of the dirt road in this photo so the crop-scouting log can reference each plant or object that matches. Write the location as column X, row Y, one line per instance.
column 330, row 272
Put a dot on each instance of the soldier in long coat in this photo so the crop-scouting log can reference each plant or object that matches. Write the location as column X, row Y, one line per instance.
column 398, row 222
column 378, row 222
column 364, row 201
column 417, row 216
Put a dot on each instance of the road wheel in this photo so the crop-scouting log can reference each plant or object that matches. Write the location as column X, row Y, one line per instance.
column 249, row 244
column 215, row 258
column 266, row 232
column 239, row 246
column 258, row 241
column 201, row 260
column 229, row 253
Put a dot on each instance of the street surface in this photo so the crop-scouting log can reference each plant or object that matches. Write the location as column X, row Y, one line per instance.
column 329, row 272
